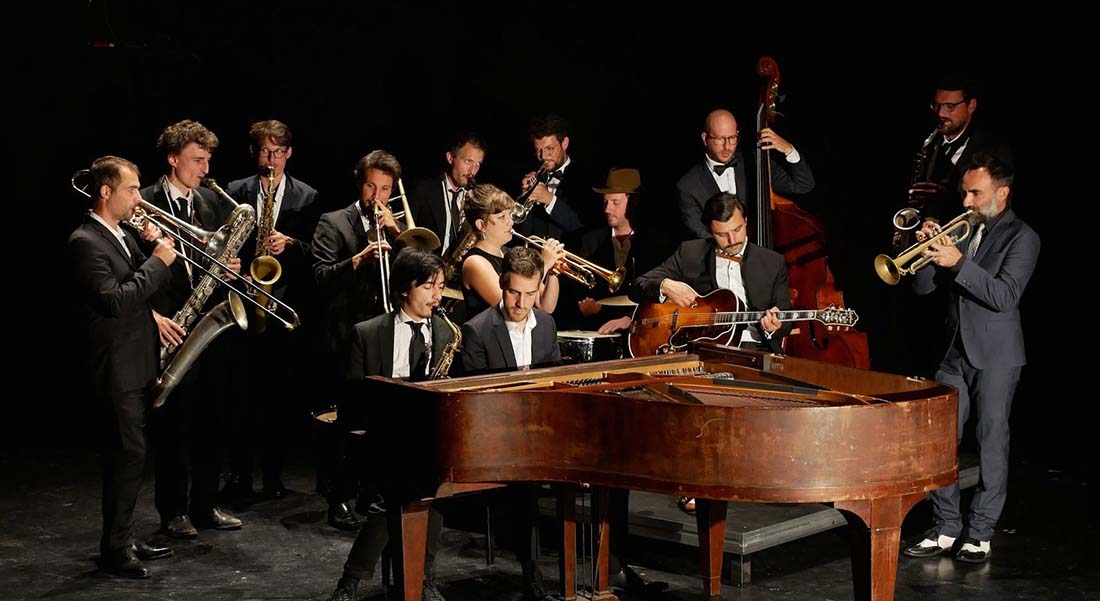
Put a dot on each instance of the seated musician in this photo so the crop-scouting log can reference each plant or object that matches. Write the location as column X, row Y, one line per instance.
column 613, row 244
column 489, row 214
column 510, row 335
column 407, row 343
column 756, row 275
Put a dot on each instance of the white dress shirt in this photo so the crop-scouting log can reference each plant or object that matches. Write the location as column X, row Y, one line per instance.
column 116, row 231
column 279, row 190
column 519, row 332
column 402, row 335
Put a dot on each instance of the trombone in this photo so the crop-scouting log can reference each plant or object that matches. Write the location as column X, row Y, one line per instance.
column 412, row 237
column 212, row 243
column 579, row 269
column 909, row 261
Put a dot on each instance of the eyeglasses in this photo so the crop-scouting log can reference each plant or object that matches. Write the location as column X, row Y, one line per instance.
column 727, row 139
column 950, row 106
column 277, row 152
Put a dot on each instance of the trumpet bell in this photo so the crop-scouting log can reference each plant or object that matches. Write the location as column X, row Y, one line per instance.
column 887, row 269
column 419, row 237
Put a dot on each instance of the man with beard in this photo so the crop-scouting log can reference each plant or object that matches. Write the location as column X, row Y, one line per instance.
column 958, row 137
column 565, row 186
column 436, row 203
column 985, row 277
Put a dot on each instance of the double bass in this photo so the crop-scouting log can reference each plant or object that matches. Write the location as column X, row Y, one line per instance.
column 785, row 228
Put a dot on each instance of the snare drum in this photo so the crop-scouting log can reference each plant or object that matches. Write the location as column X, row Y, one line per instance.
column 579, row 346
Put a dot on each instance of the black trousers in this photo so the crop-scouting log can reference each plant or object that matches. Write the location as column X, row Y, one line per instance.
column 185, row 438
column 380, row 528
column 123, row 466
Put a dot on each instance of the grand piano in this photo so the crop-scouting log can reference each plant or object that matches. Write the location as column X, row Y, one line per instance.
column 719, row 425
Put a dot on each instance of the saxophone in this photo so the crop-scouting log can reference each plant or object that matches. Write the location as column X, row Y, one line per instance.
column 176, row 360
column 265, row 269
column 908, row 218
column 448, row 354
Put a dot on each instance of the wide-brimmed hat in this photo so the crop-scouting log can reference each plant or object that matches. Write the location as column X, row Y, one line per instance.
column 621, row 181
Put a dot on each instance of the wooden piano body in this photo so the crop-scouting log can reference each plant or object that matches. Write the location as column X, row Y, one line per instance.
column 719, row 425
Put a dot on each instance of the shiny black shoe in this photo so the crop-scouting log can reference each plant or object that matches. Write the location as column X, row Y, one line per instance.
column 216, row 519
column 974, row 551
column 123, row 562
column 179, row 526
column 341, row 517
column 275, row 490
column 149, row 552
column 635, row 582
column 931, row 545
column 347, row 589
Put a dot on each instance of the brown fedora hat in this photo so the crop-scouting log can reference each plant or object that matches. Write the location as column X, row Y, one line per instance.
column 621, row 181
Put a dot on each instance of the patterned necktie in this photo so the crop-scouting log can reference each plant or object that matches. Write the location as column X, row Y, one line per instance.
column 972, row 249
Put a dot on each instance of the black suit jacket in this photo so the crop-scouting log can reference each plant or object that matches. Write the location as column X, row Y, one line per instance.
column 372, row 346
column 112, row 293
column 297, row 218
column 487, row 346
column 347, row 296
column 763, row 272
column 984, row 293
column 573, row 192
column 595, row 245
column 697, row 186
column 428, row 203
column 210, row 213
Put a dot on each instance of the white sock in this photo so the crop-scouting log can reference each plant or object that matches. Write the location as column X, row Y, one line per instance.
column 944, row 542
column 982, row 546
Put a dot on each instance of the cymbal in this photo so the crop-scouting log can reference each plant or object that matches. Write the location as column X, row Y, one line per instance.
column 617, row 301
column 453, row 293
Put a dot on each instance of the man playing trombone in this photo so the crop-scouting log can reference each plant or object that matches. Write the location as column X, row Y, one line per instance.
column 113, row 284
column 349, row 267
column 194, row 413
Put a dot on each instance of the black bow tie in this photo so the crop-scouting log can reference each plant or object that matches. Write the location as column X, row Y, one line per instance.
column 554, row 175
column 720, row 169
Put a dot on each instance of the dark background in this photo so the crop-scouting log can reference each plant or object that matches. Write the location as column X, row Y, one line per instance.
column 634, row 85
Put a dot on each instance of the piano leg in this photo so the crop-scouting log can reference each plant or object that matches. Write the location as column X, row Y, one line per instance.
column 601, row 502
column 875, row 528
column 710, row 517
column 414, row 536
column 567, row 559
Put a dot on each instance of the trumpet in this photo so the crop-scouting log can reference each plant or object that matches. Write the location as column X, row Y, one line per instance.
column 910, row 260
column 523, row 205
column 579, row 269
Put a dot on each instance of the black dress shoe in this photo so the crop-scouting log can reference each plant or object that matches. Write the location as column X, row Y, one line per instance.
column 635, row 582
column 974, row 551
column 218, row 520
column 931, row 545
column 341, row 517
column 179, row 527
column 346, row 590
column 123, row 562
column 148, row 552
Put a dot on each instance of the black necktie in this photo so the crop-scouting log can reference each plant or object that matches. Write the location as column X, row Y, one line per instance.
column 720, row 169
column 417, row 351
column 452, row 207
column 183, row 210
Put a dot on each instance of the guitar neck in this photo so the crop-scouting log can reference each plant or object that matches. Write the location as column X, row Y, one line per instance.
column 744, row 317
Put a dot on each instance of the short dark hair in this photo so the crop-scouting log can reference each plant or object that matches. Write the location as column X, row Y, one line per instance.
column 549, row 125
column 380, row 160
column 721, row 207
column 272, row 128
column 521, row 260
column 177, row 136
column 411, row 268
column 999, row 170
column 108, row 171
column 958, row 81
column 464, row 138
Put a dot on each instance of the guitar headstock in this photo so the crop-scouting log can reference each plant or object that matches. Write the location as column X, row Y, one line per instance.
column 837, row 319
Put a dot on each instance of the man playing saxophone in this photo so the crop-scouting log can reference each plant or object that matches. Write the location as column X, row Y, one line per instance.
column 192, row 413
column 286, row 215
column 407, row 343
